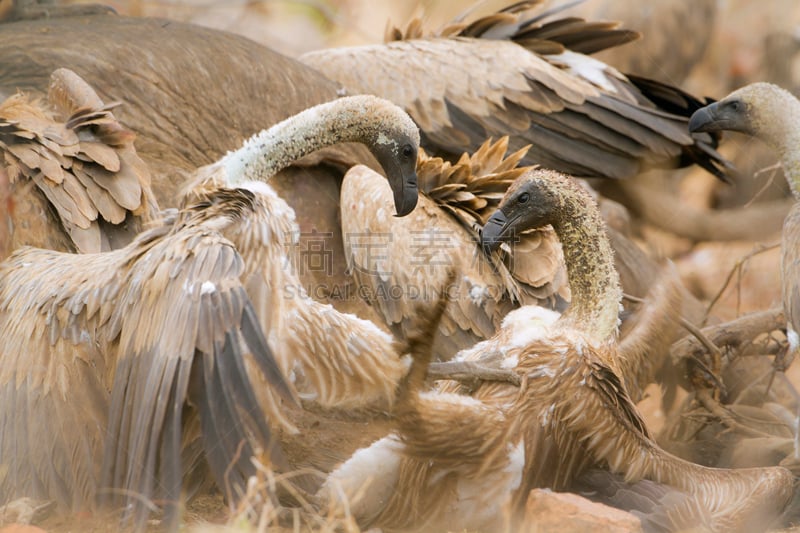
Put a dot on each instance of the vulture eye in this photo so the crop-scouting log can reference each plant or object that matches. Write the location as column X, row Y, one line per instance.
column 735, row 106
column 408, row 151
column 523, row 198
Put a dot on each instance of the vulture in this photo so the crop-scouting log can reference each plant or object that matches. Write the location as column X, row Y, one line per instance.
column 155, row 68
column 341, row 360
column 396, row 262
column 469, row 461
column 119, row 344
column 521, row 73
column 175, row 135
column 771, row 114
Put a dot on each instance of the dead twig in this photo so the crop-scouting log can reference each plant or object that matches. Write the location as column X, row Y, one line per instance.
column 713, row 370
column 735, row 334
column 737, row 269
column 773, row 170
column 469, row 372
column 726, row 417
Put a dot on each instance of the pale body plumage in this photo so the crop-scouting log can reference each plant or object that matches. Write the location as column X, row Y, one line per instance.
column 511, row 75
column 570, row 412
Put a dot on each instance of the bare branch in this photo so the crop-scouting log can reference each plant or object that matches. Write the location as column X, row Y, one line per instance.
column 735, row 334
column 468, row 371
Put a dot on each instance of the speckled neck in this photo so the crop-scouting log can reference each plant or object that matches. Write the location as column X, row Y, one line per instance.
column 365, row 119
column 593, row 280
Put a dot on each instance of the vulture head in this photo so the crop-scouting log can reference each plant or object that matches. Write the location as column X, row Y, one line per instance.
column 398, row 158
column 760, row 109
column 528, row 203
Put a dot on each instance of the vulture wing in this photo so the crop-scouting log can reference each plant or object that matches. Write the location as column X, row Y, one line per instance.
column 336, row 359
column 54, row 374
column 510, row 75
column 114, row 351
column 399, row 262
column 187, row 334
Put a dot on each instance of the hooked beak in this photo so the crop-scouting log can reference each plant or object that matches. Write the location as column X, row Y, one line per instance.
column 705, row 119
column 494, row 231
column 406, row 196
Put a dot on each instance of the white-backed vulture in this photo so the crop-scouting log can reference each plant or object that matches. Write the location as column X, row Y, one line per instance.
column 118, row 342
column 338, row 359
column 81, row 161
column 771, row 114
column 469, row 462
column 155, row 68
column 520, row 74
column 398, row 263
column 109, row 360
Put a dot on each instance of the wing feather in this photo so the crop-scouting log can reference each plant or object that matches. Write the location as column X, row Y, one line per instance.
column 401, row 261
column 490, row 83
column 96, row 365
column 53, row 388
column 187, row 283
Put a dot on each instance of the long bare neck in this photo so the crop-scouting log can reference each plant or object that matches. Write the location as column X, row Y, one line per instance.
column 790, row 153
column 778, row 124
column 364, row 119
column 593, row 280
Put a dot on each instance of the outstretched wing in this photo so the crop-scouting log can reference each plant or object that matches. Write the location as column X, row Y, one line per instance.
column 105, row 355
column 187, row 334
column 583, row 412
column 581, row 116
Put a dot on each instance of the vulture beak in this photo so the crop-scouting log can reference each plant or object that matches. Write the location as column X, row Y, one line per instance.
column 406, row 194
column 494, row 231
column 706, row 119
column 714, row 117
